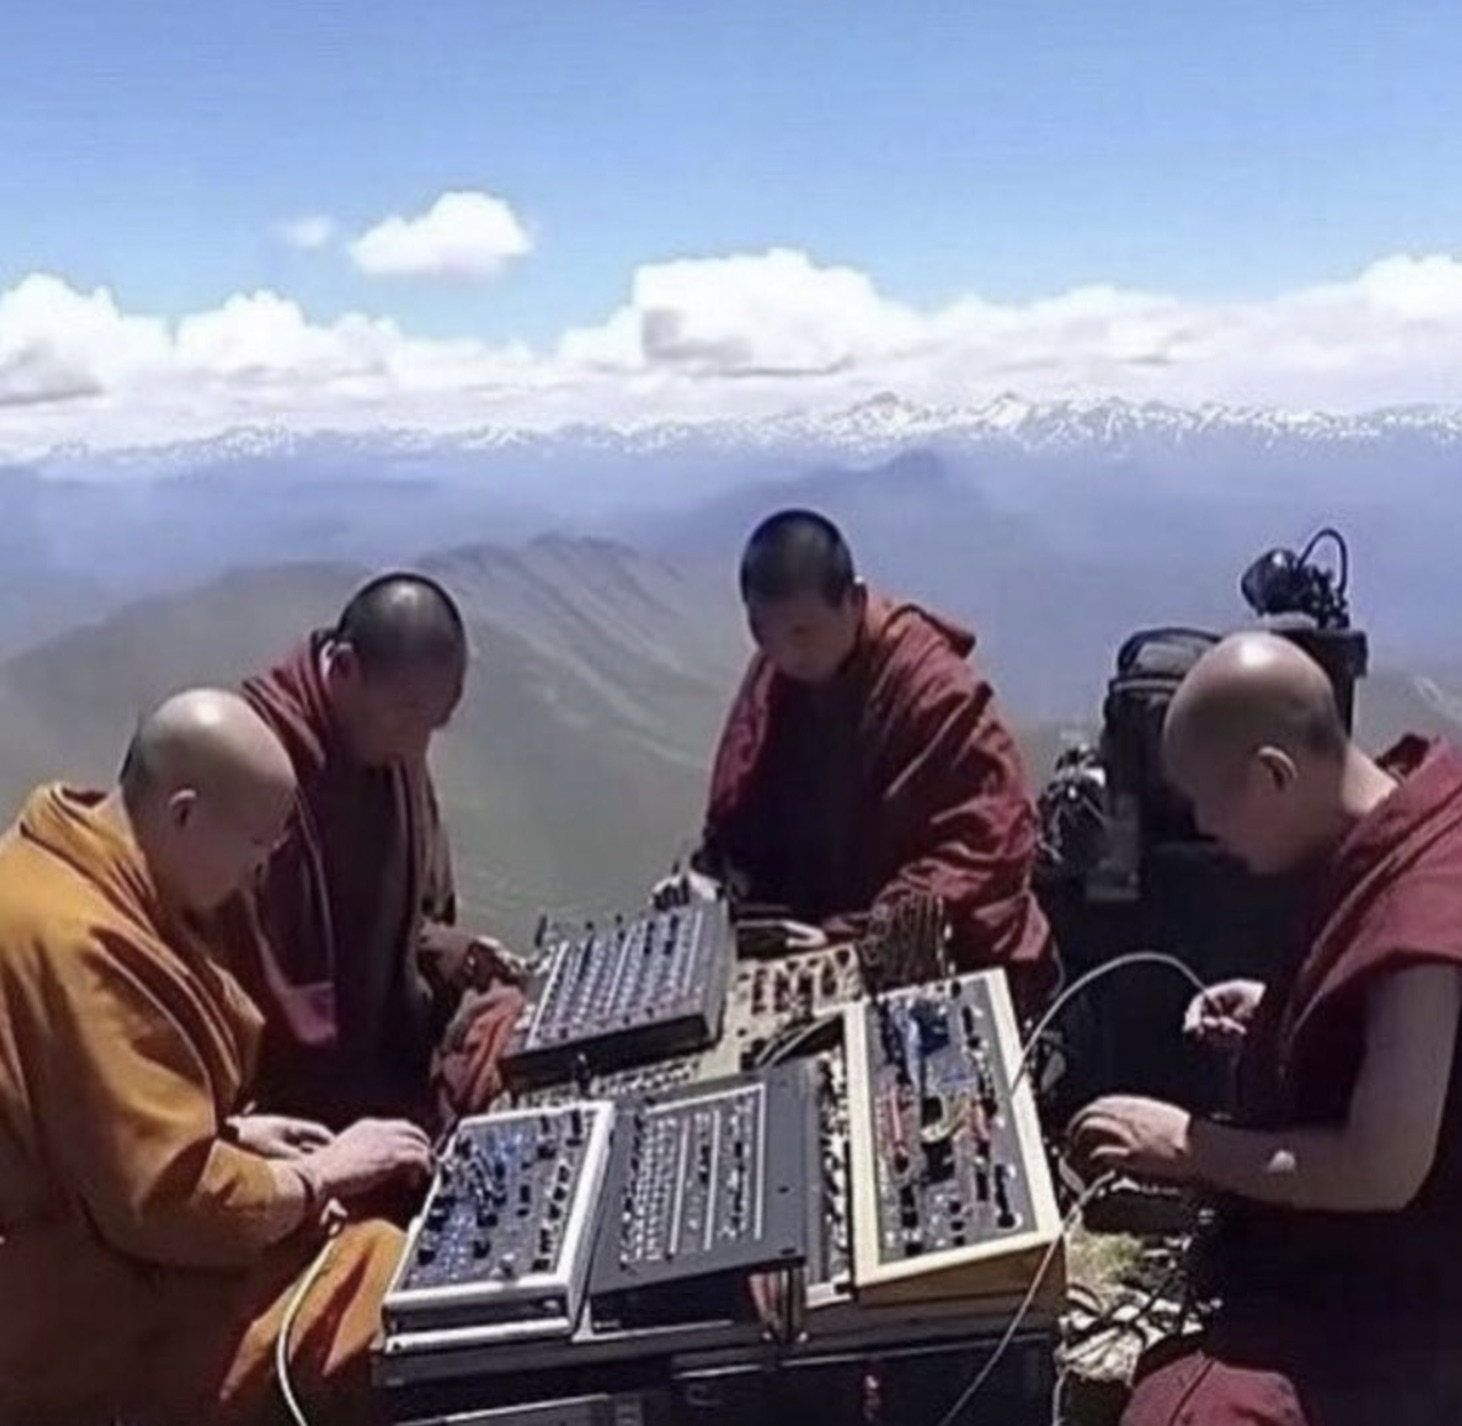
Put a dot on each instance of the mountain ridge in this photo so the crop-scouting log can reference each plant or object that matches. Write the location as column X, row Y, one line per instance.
column 875, row 424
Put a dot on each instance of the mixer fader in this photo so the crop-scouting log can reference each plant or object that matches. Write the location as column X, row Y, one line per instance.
column 502, row 1247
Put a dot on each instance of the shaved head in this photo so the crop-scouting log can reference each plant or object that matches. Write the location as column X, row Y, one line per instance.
column 205, row 738
column 1255, row 740
column 207, row 789
column 396, row 668
column 804, row 601
column 400, row 622
column 1249, row 691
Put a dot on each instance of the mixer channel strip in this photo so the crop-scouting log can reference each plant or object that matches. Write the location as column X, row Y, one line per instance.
column 951, row 1191
column 502, row 1248
column 707, row 1183
column 640, row 989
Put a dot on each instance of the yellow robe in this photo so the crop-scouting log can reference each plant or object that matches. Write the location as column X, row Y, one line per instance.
column 141, row 1266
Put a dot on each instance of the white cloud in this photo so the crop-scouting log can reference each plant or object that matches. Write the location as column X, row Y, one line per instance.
column 465, row 236
column 741, row 334
column 308, row 234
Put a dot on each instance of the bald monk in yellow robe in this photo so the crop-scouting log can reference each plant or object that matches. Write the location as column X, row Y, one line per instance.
column 153, row 1233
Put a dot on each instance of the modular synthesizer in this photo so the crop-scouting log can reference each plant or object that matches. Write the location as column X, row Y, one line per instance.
column 502, row 1248
column 951, row 1192
column 639, row 989
column 706, row 1184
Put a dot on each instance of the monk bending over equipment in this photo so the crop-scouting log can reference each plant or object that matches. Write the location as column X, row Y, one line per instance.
column 1340, row 1184
column 376, row 1002
column 152, row 1237
column 863, row 760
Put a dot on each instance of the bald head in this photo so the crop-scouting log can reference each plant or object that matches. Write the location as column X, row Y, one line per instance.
column 208, row 790
column 1254, row 739
column 400, row 623
column 204, row 738
column 1249, row 691
column 396, row 667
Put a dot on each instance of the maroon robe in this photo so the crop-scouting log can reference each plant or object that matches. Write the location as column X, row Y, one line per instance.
column 896, row 778
column 329, row 943
column 1340, row 1319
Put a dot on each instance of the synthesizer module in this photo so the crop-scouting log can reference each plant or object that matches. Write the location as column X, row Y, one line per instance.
column 951, row 1190
column 502, row 1248
column 706, row 1184
column 639, row 989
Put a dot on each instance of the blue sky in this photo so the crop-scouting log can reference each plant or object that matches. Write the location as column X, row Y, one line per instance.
column 1009, row 147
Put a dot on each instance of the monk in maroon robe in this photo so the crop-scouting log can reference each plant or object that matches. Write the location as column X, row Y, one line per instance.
column 864, row 761
column 376, row 1002
column 1339, row 1184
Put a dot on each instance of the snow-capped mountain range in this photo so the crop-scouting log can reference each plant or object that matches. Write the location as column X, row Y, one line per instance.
column 872, row 429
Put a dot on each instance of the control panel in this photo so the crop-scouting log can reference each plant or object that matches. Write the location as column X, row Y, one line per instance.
column 906, row 942
column 830, row 1259
column 772, row 1000
column 639, row 989
column 707, row 1183
column 951, row 1191
column 502, row 1247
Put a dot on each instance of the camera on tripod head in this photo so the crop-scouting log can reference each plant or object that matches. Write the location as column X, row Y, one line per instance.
column 1307, row 603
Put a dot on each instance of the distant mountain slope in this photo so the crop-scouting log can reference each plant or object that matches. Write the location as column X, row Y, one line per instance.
column 574, row 770
column 1097, row 514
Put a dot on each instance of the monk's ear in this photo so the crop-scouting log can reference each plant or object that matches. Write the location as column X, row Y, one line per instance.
column 1277, row 767
column 182, row 805
column 858, row 597
column 342, row 665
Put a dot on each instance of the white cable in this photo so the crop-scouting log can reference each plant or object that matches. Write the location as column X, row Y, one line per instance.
column 1021, row 1312
column 286, row 1326
column 1081, row 983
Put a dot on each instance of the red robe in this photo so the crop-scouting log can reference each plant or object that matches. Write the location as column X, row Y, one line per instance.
column 898, row 777
column 329, row 942
column 1341, row 1319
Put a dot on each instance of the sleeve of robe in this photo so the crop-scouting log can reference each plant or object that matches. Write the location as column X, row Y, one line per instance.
column 964, row 827
column 139, row 1136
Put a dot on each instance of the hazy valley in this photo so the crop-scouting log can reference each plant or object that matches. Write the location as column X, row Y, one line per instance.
column 597, row 572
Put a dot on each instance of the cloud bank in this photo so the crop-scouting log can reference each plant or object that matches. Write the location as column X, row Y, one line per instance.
column 744, row 334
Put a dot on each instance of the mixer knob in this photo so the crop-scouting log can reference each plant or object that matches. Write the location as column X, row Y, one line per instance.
column 481, row 1246
column 426, row 1251
column 576, row 1126
column 506, row 1266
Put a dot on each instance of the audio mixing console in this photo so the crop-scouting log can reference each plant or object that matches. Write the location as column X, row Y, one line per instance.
column 502, row 1247
column 640, row 989
column 706, row 1184
column 951, row 1191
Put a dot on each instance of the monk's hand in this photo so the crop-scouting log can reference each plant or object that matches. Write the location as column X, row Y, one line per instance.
column 464, row 961
column 370, row 1153
column 276, row 1136
column 1219, row 1016
column 1143, row 1138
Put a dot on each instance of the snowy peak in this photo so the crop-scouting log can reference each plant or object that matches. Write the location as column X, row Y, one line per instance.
column 874, row 428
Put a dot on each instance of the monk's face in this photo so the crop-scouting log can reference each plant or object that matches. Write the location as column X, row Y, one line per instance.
column 390, row 717
column 805, row 637
column 1255, row 805
column 223, row 834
